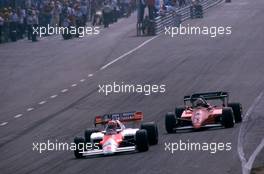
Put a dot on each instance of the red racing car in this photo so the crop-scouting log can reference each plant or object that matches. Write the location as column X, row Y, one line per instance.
column 115, row 137
column 199, row 113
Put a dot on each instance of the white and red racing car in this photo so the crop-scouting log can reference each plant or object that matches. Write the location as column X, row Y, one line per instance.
column 115, row 137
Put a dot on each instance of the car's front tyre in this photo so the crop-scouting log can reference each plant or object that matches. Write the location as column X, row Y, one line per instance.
column 170, row 122
column 80, row 144
column 88, row 132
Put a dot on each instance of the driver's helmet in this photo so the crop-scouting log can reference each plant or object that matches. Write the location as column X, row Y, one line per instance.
column 111, row 127
column 200, row 102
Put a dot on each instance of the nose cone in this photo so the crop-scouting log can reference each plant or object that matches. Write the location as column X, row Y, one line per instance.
column 197, row 125
column 109, row 150
column 110, row 147
column 199, row 116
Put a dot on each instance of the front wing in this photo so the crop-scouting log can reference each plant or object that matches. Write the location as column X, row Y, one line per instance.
column 205, row 126
column 101, row 152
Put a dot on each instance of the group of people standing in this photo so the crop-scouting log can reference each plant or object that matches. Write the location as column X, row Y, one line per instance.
column 15, row 22
column 110, row 10
column 156, row 6
column 145, row 22
column 18, row 22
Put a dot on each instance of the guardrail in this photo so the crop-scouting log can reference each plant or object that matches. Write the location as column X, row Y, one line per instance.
column 174, row 18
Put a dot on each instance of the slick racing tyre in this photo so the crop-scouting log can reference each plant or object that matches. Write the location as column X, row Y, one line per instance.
column 88, row 132
column 142, row 144
column 170, row 122
column 227, row 118
column 237, row 109
column 79, row 142
column 152, row 131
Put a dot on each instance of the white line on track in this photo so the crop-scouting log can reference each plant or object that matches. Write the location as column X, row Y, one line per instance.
column 54, row 96
column 42, row 102
column 30, row 109
column 18, row 115
column 255, row 154
column 64, row 90
column 129, row 52
column 247, row 165
column 4, row 123
column 89, row 75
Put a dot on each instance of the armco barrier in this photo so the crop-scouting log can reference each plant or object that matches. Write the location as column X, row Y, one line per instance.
column 174, row 18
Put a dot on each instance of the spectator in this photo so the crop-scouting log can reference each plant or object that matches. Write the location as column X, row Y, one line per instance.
column 115, row 10
column 93, row 9
column 151, row 8
column 141, row 10
column 13, row 18
column 56, row 14
column 29, row 25
column 21, row 22
column 35, row 23
column 6, row 25
column 72, row 15
column 47, row 14
column 64, row 12
column 106, row 14
column 79, row 18
column 127, row 7
column 1, row 26
column 84, row 10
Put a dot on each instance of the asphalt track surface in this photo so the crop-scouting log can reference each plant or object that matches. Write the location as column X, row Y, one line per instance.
column 31, row 73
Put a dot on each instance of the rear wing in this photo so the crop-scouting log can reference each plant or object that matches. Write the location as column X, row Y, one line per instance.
column 207, row 96
column 123, row 117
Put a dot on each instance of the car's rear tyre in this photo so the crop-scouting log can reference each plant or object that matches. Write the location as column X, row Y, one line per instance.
column 152, row 131
column 227, row 118
column 88, row 132
column 79, row 142
column 170, row 122
column 237, row 109
column 142, row 144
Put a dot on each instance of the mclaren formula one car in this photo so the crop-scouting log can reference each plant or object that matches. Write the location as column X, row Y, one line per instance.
column 200, row 112
column 115, row 137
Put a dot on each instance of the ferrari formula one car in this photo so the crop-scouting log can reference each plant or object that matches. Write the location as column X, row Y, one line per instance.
column 115, row 137
column 199, row 113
